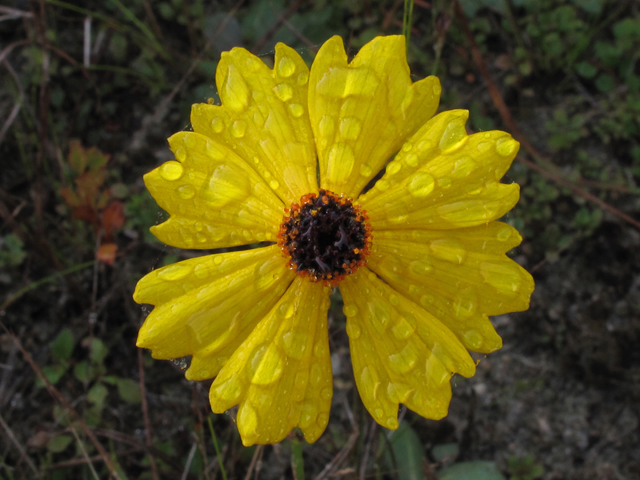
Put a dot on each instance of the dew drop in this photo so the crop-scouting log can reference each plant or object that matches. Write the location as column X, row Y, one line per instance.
column 483, row 147
column 238, row 129
column 437, row 89
column 426, row 300
column 186, row 192
column 217, row 125
column 326, row 393
column 296, row 110
column 370, row 382
column 378, row 413
column 303, row 78
column 315, row 375
column 285, row 310
column 171, row 171
column 444, row 182
column 398, row 392
column 421, row 267
column 382, row 185
column 404, row 361
column 425, row 145
column 274, row 184
column 420, row 184
column 235, row 92
column 406, row 147
column 504, row 234
column 341, row 160
column 175, row 272
column 473, row 339
column 365, row 170
column 353, row 329
column 283, row 91
column 506, row 146
column 217, row 260
column 265, row 365
column 286, row 67
column 321, row 350
column 307, row 415
column 230, row 390
column 215, row 151
column 402, row 329
column 323, row 419
column 411, row 160
column 201, row 271
column 294, row 343
column 448, row 250
column 394, row 167
column 326, row 126
column 350, row 128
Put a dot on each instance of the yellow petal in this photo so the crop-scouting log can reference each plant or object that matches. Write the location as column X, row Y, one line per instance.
column 281, row 375
column 444, row 178
column 214, row 198
column 400, row 352
column 459, row 276
column 363, row 111
column 207, row 306
column 264, row 118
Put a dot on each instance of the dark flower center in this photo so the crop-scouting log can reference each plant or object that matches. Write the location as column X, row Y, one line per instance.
column 325, row 237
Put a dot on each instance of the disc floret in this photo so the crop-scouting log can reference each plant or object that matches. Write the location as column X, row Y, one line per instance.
column 325, row 237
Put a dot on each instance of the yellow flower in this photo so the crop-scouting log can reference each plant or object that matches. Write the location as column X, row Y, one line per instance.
column 419, row 258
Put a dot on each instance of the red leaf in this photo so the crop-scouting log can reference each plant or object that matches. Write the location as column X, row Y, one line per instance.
column 107, row 253
column 112, row 219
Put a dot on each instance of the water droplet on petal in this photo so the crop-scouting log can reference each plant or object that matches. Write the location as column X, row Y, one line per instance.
column 353, row 329
column 285, row 310
column 504, row 234
column 506, row 146
column 350, row 128
column 322, row 419
column 230, row 390
column 286, row 67
column 449, row 250
column 283, row 91
column 404, row 361
column 217, row 125
column 370, row 382
column 483, row 147
column 444, row 182
column 294, row 343
column 473, row 339
column 341, row 160
column 315, row 375
column 265, row 364
column 326, row 393
column 406, row 147
column 382, row 185
column 411, row 160
column 420, row 184
column 437, row 89
column 402, row 329
column 296, row 110
column 186, row 192
column 175, row 272
column 238, row 129
column 235, row 92
column 274, row 184
column 308, row 415
column 398, row 392
column 171, row 171
column 365, row 170
column 394, row 167
column 303, row 78
column 421, row 267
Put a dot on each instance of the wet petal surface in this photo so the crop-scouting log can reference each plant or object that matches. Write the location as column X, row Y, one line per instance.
column 459, row 276
column 400, row 352
column 207, row 306
column 363, row 111
column 445, row 179
column 264, row 118
column 281, row 375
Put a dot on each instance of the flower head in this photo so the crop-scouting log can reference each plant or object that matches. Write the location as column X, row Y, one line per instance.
column 419, row 258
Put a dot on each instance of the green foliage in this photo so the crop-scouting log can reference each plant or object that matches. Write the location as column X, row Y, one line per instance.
column 525, row 468
column 12, row 252
column 477, row 470
column 404, row 453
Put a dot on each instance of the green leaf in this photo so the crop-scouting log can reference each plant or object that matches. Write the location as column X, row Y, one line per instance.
column 96, row 159
column 59, row 443
column 77, row 157
column 586, row 70
column 97, row 394
column 478, row 470
column 408, row 453
column 53, row 373
column 84, row 372
column 605, row 83
column 444, row 450
column 62, row 345
column 98, row 351
column 129, row 390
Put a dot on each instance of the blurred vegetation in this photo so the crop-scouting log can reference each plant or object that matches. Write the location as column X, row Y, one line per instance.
column 89, row 91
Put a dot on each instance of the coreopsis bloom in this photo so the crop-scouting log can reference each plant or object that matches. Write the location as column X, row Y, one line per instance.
column 282, row 164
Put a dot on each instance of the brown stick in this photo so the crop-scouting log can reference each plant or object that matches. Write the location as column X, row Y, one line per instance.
column 106, row 458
